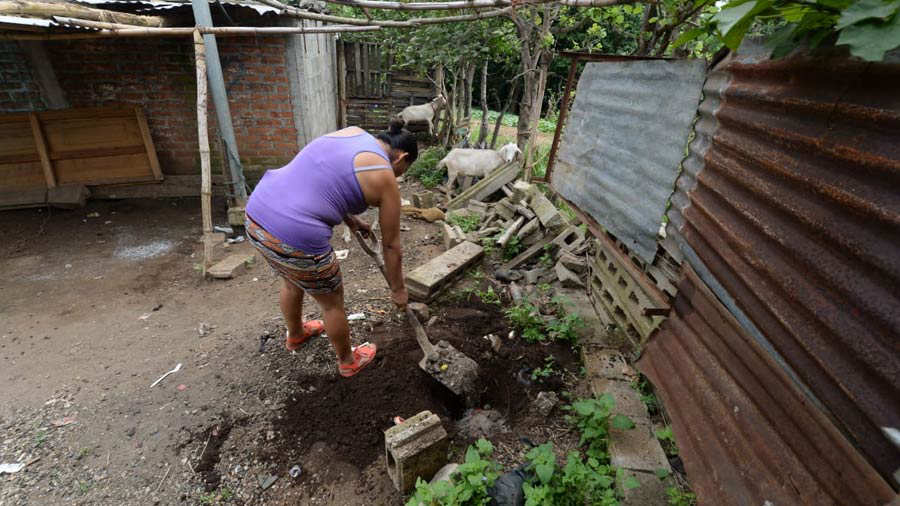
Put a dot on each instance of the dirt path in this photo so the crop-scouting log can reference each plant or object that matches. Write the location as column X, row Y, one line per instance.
column 95, row 307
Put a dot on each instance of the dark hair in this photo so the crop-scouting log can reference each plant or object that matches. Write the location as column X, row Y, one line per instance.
column 400, row 139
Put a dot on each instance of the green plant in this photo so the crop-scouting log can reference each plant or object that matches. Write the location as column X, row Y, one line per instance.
column 667, row 439
column 425, row 167
column 83, row 486
column 467, row 222
column 678, row 497
column 468, row 485
column 40, row 438
column 577, row 483
column 513, row 248
column 594, row 417
column 645, row 390
column 545, row 371
column 488, row 296
column 526, row 318
column 546, row 259
column 476, row 274
column 487, row 243
column 220, row 496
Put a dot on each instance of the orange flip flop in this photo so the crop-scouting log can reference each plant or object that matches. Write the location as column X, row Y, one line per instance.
column 363, row 355
column 311, row 328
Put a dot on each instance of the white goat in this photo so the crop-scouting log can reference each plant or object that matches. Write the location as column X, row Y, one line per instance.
column 476, row 162
column 424, row 112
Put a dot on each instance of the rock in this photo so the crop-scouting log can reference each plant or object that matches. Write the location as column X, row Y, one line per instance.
column 545, row 211
column 545, row 402
column 423, row 200
column 453, row 235
column 567, row 278
column 431, row 321
column 573, row 262
column 421, row 311
column 204, row 329
column 426, row 280
column 522, row 190
column 478, row 423
column 444, row 473
column 534, row 275
column 496, row 342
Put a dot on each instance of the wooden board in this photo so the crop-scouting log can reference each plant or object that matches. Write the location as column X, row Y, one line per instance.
column 89, row 146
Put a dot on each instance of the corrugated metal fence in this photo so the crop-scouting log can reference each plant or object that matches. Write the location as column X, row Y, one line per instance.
column 780, row 363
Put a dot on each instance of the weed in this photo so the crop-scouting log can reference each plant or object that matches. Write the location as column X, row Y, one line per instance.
column 83, row 486
column 476, row 274
column 678, row 497
column 488, row 296
column 513, row 248
column 593, row 417
column 645, row 389
column 217, row 496
column 667, row 439
column 467, row 222
column 577, row 483
column 40, row 438
column 468, row 485
column 544, row 288
column 487, row 243
column 425, row 167
column 546, row 259
column 84, row 452
column 527, row 320
column 543, row 372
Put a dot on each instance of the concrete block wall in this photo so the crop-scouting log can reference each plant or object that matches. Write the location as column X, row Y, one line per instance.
column 159, row 75
column 19, row 91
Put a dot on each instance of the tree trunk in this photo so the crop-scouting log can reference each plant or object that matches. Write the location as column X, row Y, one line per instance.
column 441, row 118
column 535, row 114
column 470, row 85
column 482, row 133
column 509, row 102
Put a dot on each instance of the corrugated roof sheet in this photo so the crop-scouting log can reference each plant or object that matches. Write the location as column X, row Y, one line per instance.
column 149, row 6
column 789, row 209
column 624, row 140
column 746, row 434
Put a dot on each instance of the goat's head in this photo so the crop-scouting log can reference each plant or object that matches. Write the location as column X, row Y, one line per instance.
column 438, row 102
column 509, row 151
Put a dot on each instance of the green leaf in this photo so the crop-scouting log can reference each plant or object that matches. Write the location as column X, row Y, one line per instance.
column 544, row 471
column 622, row 422
column 631, row 483
column 484, row 447
column 733, row 22
column 870, row 40
column 472, row 455
column 688, row 36
column 866, row 9
column 662, row 473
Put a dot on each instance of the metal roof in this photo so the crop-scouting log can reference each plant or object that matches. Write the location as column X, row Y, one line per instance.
column 746, row 434
column 160, row 6
column 624, row 140
column 788, row 208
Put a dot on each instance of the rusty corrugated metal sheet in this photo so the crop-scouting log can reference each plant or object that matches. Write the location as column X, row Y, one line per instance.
column 789, row 209
column 746, row 433
column 623, row 142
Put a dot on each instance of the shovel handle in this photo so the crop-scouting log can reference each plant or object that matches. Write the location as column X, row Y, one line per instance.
column 374, row 251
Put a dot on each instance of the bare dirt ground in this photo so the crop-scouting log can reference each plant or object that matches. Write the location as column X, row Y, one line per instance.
column 97, row 303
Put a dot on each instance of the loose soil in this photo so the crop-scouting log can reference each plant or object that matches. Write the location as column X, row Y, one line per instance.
column 95, row 307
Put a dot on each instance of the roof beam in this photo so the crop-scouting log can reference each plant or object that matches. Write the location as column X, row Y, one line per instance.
column 67, row 9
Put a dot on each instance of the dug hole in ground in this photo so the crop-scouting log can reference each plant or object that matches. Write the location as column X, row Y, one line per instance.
column 100, row 302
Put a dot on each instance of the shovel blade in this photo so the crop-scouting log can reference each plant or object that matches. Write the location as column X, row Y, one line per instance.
column 454, row 370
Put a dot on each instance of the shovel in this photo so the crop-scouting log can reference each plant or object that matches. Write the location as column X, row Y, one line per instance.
column 449, row 366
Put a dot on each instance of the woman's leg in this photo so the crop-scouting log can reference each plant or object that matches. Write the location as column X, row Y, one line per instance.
column 292, row 307
column 336, row 325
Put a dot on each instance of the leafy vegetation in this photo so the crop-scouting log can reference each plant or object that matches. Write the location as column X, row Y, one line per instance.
column 544, row 125
column 467, row 222
column 488, row 296
column 648, row 397
column 513, row 248
column 678, row 497
column 593, row 417
column 580, row 481
column 425, row 167
column 468, row 486
column 526, row 317
column 545, row 371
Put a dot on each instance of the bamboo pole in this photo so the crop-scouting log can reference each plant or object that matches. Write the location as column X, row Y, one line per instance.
column 464, row 4
column 303, row 14
column 70, row 9
column 203, row 145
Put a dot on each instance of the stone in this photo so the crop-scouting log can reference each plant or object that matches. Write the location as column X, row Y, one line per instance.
column 478, row 423
column 452, row 235
column 522, row 190
column 567, row 278
column 545, row 402
column 545, row 211
column 68, row 196
column 423, row 200
column 637, row 449
column 416, row 448
column 573, row 262
column 628, row 401
column 236, row 216
column 507, row 212
column 478, row 207
column 230, row 266
column 488, row 232
column 428, row 279
column 534, row 275
column 445, row 473
column 421, row 311
column 650, row 492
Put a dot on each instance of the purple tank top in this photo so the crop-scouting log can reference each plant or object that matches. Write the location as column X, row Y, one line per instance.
column 301, row 202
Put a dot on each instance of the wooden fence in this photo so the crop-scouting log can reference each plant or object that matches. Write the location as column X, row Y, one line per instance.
column 371, row 91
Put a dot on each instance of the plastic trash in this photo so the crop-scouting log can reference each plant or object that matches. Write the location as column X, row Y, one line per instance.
column 295, row 471
column 356, row 316
column 507, row 490
column 11, row 468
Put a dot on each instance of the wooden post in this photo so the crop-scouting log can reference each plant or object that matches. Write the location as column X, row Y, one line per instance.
column 41, row 143
column 203, row 144
column 342, row 83
column 482, row 133
column 148, row 143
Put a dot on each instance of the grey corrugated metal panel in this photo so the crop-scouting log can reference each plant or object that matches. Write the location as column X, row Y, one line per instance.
column 623, row 143
column 147, row 6
column 746, row 434
column 789, row 202
column 25, row 23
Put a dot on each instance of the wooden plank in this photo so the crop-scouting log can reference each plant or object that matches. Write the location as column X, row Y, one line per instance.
column 96, row 152
column 231, row 265
column 17, row 141
column 358, row 63
column 104, row 170
column 148, row 143
column 41, row 144
column 19, row 176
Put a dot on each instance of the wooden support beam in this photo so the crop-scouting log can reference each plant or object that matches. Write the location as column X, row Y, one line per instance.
column 71, row 9
column 148, row 143
column 41, row 143
column 203, row 142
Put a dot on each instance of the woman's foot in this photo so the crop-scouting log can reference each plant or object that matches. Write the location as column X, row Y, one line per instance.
column 311, row 328
column 362, row 356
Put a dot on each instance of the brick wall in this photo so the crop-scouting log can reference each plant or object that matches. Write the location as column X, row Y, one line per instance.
column 18, row 90
column 159, row 75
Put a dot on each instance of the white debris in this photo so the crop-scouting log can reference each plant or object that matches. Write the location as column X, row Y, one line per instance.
column 342, row 254
column 11, row 468
column 356, row 316
column 173, row 371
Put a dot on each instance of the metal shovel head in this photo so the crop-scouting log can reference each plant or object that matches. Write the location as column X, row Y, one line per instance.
column 452, row 369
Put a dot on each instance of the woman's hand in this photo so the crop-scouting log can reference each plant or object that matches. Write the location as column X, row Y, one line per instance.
column 400, row 298
column 357, row 225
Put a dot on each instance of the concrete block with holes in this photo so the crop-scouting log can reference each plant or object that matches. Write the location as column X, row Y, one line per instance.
column 416, row 448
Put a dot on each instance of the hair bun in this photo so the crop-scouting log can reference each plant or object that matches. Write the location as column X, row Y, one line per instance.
column 396, row 126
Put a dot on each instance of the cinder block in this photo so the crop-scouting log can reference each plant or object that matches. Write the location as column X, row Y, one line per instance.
column 423, row 200
column 236, row 216
column 637, row 449
column 230, row 266
column 416, row 448
column 545, row 211
column 650, row 492
column 69, row 196
column 427, row 280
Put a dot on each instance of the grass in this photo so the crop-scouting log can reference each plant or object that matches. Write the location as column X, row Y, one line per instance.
column 425, row 167
column 511, row 120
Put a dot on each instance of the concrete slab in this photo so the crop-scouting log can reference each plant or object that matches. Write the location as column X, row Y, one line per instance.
column 567, row 278
column 650, row 492
column 230, row 266
column 628, row 401
column 545, row 211
column 69, row 196
column 427, row 280
column 637, row 449
column 416, row 448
